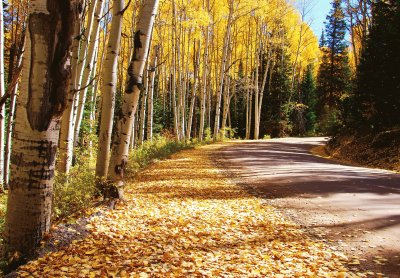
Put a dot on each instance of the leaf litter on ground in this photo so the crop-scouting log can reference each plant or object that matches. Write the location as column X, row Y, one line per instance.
column 184, row 218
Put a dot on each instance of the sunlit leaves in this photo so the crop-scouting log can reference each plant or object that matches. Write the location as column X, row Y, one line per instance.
column 184, row 218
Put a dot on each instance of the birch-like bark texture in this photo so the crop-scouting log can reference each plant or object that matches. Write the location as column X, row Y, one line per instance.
column 130, row 100
column 256, row 90
column 109, row 77
column 150, row 101
column 194, row 92
column 143, row 109
column 2, row 92
column 222, row 74
column 87, row 60
column 173, row 72
column 10, row 124
column 66, row 150
column 43, row 97
column 203, row 95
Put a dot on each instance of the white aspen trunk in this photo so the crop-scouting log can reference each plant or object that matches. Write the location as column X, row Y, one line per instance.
column 2, row 92
column 109, row 77
column 256, row 95
column 133, row 135
column 195, row 85
column 7, row 154
column 249, row 108
column 185, row 80
column 120, row 150
column 65, row 153
column 43, row 97
column 247, row 113
column 203, row 95
column 86, row 65
column 143, row 109
column 222, row 75
column 92, row 115
column 180, row 103
column 10, row 124
column 150, row 101
column 175, row 109
column 225, row 105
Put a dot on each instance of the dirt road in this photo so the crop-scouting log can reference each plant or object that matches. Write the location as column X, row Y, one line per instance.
column 357, row 209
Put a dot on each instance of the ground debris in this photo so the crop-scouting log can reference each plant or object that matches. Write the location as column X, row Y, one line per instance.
column 183, row 218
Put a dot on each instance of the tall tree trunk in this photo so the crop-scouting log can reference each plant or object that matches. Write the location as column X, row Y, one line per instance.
column 222, row 74
column 150, row 102
column 2, row 92
column 109, row 77
column 10, row 124
column 143, row 109
column 87, row 61
column 66, row 136
column 226, row 103
column 44, row 90
column 203, row 95
column 257, row 90
column 196, row 62
column 175, row 109
column 92, row 112
column 130, row 100
column 249, row 108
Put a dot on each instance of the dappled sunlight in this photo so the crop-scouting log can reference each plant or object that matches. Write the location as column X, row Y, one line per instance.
column 357, row 208
column 183, row 218
column 290, row 165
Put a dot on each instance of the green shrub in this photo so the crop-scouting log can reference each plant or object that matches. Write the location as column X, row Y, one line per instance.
column 159, row 148
column 75, row 192
column 208, row 135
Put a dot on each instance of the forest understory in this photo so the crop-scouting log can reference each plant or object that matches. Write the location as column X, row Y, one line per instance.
column 376, row 150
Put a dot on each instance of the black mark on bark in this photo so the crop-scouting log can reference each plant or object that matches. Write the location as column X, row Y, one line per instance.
column 133, row 79
column 51, row 34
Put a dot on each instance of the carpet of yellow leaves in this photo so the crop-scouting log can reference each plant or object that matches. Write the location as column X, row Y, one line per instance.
column 183, row 218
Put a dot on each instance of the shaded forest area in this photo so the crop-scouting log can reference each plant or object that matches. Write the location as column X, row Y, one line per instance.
column 92, row 91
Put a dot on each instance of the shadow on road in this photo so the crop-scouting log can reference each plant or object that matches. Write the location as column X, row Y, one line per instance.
column 291, row 170
column 357, row 208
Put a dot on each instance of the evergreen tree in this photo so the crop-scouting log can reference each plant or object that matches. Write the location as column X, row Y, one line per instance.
column 377, row 97
column 277, row 123
column 308, row 91
column 334, row 73
column 322, row 40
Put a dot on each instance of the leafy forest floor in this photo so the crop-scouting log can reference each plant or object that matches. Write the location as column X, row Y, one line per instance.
column 184, row 217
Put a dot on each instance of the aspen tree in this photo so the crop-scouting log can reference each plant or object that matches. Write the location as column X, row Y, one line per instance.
column 196, row 62
column 44, row 90
column 142, row 121
column 2, row 92
column 256, row 87
column 66, row 136
column 87, row 60
column 10, row 124
column 227, row 40
column 92, row 111
column 150, row 101
column 173, row 73
column 203, row 95
column 120, row 151
column 109, row 77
